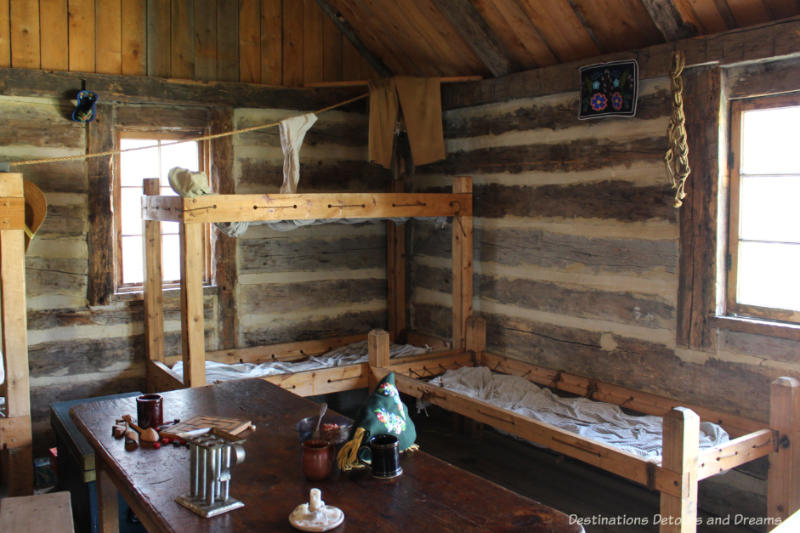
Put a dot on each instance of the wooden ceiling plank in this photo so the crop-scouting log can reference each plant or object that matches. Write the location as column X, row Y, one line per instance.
column 711, row 21
column 535, row 51
column 349, row 33
column 331, row 51
column 668, row 20
column 108, row 42
column 467, row 21
column 271, row 42
column 443, row 37
column 54, row 34
column 630, row 27
column 395, row 21
column 748, row 12
column 726, row 13
column 134, row 37
column 780, row 9
column 559, row 26
column 25, row 47
column 312, row 42
column 249, row 41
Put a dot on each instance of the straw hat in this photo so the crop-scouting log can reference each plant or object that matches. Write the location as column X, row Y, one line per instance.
column 35, row 210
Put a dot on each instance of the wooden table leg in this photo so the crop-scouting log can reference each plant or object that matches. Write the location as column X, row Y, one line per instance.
column 107, row 502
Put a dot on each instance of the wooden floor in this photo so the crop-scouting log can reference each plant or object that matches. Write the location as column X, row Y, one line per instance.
column 567, row 485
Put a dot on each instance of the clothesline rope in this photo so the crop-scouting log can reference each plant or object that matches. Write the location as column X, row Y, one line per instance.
column 194, row 139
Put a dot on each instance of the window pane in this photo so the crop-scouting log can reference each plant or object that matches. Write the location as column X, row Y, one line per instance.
column 132, row 270
column 135, row 166
column 767, row 275
column 769, row 210
column 131, row 211
column 171, row 258
column 769, row 141
column 170, row 228
column 182, row 155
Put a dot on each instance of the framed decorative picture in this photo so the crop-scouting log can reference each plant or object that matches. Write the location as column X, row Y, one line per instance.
column 609, row 89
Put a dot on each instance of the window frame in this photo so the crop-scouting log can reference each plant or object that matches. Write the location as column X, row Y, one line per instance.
column 732, row 307
column 165, row 135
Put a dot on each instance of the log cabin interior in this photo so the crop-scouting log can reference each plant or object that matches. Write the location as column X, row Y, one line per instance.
column 646, row 259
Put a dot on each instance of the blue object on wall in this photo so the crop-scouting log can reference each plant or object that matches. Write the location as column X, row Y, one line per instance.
column 609, row 89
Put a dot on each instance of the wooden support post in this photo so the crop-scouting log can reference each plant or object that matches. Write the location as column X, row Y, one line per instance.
column 192, row 320
column 462, row 267
column 396, row 274
column 783, row 478
column 378, row 344
column 153, row 294
column 476, row 337
column 680, row 451
column 15, row 350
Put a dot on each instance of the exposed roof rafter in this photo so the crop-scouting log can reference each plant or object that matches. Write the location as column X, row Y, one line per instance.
column 668, row 20
column 477, row 34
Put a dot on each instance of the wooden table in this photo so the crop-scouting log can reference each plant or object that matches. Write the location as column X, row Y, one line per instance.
column 431, row 495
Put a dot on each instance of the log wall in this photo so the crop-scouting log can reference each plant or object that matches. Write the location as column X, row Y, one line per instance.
column 310, row 283
column 577, row 252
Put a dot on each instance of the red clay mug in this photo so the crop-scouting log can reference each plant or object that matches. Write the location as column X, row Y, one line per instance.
column 149, row 410
column 317, row 459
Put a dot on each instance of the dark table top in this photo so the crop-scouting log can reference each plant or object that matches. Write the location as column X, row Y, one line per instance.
column 431, row 495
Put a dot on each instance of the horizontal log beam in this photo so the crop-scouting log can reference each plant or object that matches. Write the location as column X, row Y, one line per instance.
column 323, row 381
column 265, row 207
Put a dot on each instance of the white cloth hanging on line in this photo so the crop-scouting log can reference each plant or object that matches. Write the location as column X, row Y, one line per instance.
column 293, row 131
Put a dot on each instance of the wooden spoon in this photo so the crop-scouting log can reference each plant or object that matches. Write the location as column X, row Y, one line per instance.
column 145, row 435
column 322, row 410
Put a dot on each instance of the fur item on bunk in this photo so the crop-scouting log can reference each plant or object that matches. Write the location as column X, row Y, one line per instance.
column 384, row 413
column 603, row 422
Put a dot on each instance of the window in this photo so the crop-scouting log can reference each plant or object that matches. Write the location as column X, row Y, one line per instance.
column 764, row 232
column 133, row 167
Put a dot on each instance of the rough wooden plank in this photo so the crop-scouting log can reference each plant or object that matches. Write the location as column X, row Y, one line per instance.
column 43, row 513
column 289, row 351
column 159, row 43
column 331, row 50
column 293, row 43
column 107, row 501
column 396, row 273
column 205, row 40
column 271, row 42
column 312, row 42
column 194, row 370
column 108, row 42
column 783, row 486
column 735, row 452
column 182, row 39
column 134, row 37
column 348, row 32
column 227, row 41
column 698, row 217
column 161, row 116
column 82, row 35
column 5, row 34
column 757, row 43
column 378, row 341
column 100, row 239
column 249, row 41
column 130, row 89
column 25, row 46
column 225, row 248
column 467, row 20
column 53, row 20
column 760, row 79
column 680, row 455
column 462, row 264
column 668, row 20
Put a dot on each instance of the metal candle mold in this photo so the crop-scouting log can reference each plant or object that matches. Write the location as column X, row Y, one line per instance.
column 211, row 459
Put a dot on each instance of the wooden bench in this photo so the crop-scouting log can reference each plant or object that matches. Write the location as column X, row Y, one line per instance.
column 42, row 513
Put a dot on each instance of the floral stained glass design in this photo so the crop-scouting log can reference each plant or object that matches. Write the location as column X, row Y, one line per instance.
column 609, row 89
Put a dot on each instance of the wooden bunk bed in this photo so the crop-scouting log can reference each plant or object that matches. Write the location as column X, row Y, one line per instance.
column 191, row 213
column 16, row 438
column 683, row 463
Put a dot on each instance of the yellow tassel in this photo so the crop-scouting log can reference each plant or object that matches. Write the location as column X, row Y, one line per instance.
column 347, row 458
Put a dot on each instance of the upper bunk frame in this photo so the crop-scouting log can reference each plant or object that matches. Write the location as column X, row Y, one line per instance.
column 192, row 213
column 16, row 438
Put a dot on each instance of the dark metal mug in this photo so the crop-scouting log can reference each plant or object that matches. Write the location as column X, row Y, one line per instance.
column 383, row 456
column 149, row 410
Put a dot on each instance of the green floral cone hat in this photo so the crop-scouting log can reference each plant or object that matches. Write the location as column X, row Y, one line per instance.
column 384, row 413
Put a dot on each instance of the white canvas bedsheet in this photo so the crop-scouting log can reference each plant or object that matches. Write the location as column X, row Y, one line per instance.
column 599, row 421
column 349, row 354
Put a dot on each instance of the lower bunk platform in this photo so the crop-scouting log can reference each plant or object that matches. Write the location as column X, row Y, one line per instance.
column 674, row 472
